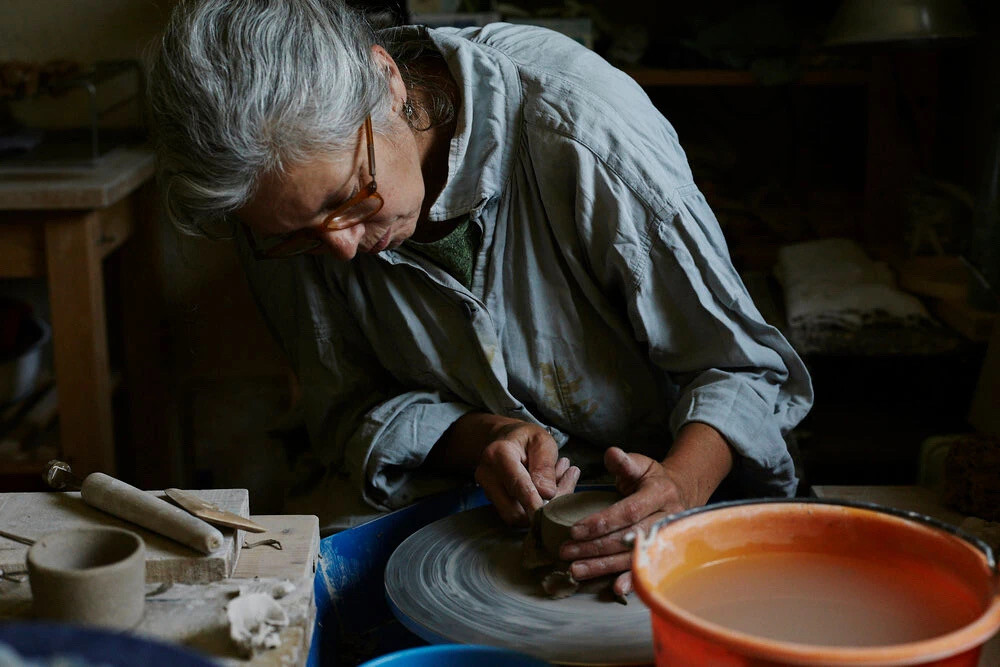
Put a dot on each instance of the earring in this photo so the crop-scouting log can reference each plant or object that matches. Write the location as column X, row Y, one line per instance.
column 408, row 110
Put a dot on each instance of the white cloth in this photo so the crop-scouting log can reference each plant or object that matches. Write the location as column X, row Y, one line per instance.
column 834, row 294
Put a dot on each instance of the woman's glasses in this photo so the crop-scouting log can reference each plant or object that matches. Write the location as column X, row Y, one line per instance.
column 359, row 208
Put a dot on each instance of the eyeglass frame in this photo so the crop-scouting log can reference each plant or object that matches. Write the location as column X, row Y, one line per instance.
column 329, row 223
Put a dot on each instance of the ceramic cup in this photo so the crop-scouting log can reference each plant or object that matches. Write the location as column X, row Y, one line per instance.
column 91, row 576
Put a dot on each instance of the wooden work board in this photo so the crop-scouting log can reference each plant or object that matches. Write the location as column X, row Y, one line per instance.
column 293, row 557
column 32, row 515
column 194, row 615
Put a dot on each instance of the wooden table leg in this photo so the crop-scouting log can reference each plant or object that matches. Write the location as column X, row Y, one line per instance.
column 80, row 343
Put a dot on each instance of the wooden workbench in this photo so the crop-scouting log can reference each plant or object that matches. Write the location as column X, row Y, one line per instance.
column 193, row 615
column 60, row 224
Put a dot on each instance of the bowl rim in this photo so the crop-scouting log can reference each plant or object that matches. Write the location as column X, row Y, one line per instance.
column 857, row 504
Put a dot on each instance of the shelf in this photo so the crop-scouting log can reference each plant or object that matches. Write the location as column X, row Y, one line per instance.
column 80, row 147
column 653, row 77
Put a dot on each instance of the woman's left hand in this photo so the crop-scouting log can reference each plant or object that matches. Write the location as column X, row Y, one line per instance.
column 602, row 543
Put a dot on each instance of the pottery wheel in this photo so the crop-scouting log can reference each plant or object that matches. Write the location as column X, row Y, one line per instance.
column 460, row 580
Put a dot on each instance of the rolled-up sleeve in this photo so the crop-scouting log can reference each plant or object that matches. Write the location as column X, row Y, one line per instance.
column 394, row 439
column 735, row 372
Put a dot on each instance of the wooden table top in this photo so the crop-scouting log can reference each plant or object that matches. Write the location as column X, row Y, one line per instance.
column 114, row 176
column 911, row 498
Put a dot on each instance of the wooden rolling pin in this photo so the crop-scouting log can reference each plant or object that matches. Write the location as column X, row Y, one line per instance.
column 127, row 502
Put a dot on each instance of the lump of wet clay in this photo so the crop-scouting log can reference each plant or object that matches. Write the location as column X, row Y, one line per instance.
column 550, row 527
column 559, row 584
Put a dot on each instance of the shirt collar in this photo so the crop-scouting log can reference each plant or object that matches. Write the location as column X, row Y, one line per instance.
column 487, row 122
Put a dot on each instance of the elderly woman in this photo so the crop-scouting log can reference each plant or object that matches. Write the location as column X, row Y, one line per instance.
column 475, row 245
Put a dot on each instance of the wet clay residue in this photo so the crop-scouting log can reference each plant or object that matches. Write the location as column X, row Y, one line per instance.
column 550, row 528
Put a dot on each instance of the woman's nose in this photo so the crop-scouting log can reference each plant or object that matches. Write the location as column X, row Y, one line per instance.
column 343, row 243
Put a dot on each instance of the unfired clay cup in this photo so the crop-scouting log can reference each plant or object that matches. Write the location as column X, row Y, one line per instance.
column 560, row 513
column 90, row 576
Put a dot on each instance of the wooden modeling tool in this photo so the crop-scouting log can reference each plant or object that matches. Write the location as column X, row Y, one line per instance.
column 212, row 513
column 127, row 502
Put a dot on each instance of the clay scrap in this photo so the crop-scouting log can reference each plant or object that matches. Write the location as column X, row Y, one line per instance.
column 256, row 618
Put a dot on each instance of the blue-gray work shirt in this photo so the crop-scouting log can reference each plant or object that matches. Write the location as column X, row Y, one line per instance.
column 603, row 305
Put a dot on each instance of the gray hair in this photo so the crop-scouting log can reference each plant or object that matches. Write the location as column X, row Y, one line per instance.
column 240, row 88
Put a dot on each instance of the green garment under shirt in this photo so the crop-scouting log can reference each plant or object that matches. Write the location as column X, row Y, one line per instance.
column 455, row 253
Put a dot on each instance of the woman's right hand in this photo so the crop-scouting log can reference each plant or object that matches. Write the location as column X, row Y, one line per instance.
column 518, row 464
column 520, row 468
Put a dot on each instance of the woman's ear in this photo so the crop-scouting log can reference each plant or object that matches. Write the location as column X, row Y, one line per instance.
column 396, row 86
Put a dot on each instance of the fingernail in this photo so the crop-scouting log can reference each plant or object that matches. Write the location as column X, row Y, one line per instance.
column 579, row 570
column 569, row 552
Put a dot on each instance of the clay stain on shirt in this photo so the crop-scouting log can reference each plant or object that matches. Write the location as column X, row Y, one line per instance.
column 560, row 390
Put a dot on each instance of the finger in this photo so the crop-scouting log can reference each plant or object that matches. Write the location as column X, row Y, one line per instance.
column 518, row 484
column 616, row 542
column 626, row 470
column 606, row 545
column 567, row 483
column 542, row 454
column 511, row 512
column 504, row 462
column 625, row 513
column 623, row 584
column 562, row 465
column 591, row 568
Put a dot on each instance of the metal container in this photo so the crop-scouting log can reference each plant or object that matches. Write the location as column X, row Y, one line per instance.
column 921, row 554
column 19, row 368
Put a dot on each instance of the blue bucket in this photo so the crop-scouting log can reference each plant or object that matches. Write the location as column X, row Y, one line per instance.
column 456, row 655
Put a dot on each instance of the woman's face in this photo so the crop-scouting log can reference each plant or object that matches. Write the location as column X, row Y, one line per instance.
column 306, row 193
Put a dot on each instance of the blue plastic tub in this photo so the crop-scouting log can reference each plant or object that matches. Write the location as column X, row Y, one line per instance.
column 354, row 623
column 456, row 655
column 353, row 619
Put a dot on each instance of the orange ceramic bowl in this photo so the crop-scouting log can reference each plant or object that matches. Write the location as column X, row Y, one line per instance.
column 904, row 550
